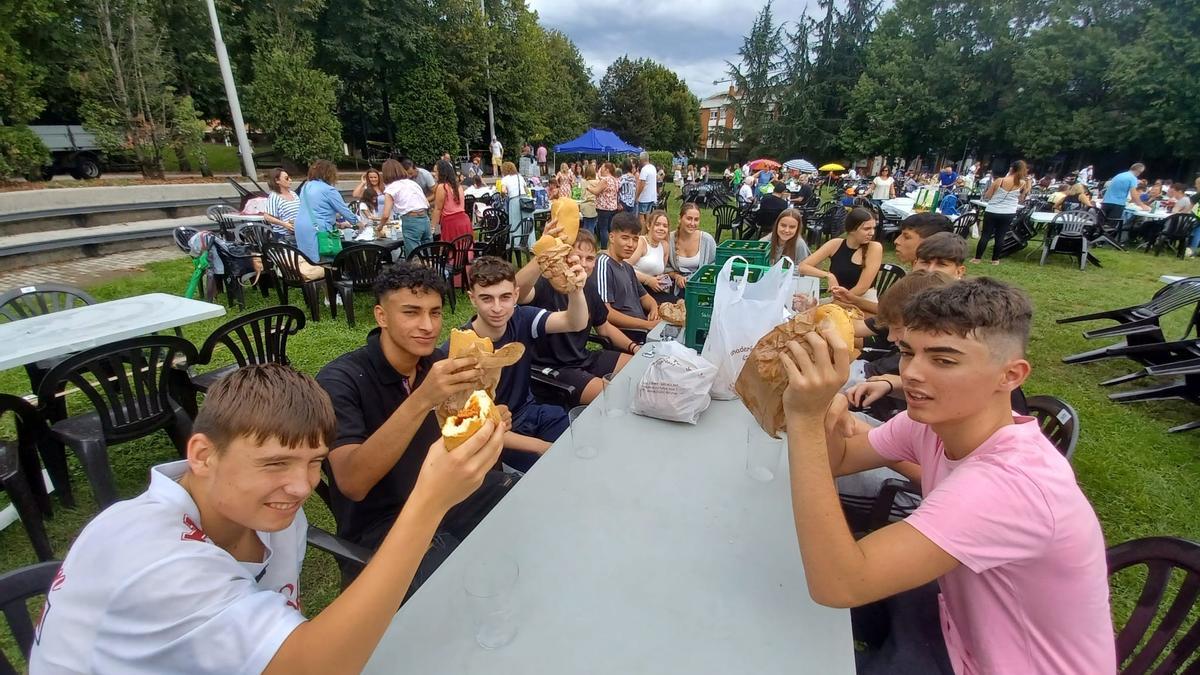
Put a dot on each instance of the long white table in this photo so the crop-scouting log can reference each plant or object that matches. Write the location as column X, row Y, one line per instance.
column 72, row 330
column 900, row 207
column 659, row 556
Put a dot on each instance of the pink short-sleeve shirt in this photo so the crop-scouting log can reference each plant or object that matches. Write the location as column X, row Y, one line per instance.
column 1031, row 595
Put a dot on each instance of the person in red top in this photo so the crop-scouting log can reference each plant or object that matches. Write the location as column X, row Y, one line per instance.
column 449, row 215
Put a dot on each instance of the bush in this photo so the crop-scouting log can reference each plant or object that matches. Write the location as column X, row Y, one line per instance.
column 662, row 159
column 22, row 153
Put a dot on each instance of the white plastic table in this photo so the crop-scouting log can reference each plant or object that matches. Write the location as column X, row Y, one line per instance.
column 72, row 330
column 900, row 207
column 1134, row 212
column 660, row 556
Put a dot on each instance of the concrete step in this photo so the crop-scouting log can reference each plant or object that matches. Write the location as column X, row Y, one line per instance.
column 37, row 248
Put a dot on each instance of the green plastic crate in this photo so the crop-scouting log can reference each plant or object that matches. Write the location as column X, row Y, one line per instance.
column 698, row 298
column 755, row 252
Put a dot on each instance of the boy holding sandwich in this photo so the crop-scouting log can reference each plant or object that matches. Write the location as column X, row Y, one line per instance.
column 1003, row 528
column 494, row 293
column 199, row 573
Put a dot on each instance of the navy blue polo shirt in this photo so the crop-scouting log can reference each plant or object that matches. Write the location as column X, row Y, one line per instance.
column 366, row 390
column 527, row 326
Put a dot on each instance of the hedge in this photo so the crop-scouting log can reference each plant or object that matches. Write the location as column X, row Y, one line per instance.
column 22, row 153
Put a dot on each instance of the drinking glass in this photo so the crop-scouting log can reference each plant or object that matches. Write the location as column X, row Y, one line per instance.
column 489, row 583
column 762, row 455
column 616, row 395
column 583, row 434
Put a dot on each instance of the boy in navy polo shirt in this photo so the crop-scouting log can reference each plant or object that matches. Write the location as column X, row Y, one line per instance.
column 494, row 292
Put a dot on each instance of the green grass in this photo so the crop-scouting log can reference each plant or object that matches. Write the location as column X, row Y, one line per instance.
column 221, row 159
column 1140, row 480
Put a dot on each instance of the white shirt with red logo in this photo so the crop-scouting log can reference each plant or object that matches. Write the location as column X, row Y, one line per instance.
column 143, row 590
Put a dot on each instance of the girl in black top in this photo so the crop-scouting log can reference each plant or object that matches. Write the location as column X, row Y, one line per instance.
column 854, row 259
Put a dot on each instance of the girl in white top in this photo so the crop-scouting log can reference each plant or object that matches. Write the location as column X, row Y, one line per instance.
column 649, row 260
column 1003, row 197
column 885, row 185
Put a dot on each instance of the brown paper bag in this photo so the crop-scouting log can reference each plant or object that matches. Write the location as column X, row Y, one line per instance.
column 491, row 363
column 763, row 379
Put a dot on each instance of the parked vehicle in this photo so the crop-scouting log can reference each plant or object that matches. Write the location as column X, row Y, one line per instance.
column 72, row 149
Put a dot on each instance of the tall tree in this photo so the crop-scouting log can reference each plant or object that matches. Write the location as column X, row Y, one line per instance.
column 295, row 104
column 756, row 78
column 648, row 105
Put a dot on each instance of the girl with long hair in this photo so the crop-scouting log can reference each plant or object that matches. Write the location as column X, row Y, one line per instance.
column 649, row 260
column 854, row 258
column 689, row 247
column 787, row 238
column 450, row 217
column 1003, row 196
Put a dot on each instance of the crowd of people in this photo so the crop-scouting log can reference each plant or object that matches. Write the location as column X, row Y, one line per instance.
column 1000, row 568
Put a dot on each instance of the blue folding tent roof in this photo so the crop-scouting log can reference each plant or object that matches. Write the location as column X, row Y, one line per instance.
column 596, row 142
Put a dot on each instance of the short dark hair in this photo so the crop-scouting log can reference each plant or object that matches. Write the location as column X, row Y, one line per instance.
column 778, row 187
column 489, row 270
column 943, row 246
column 411, row 276
column 263, row 402
column 985, row 309
column 926, row 224
column 625, row 222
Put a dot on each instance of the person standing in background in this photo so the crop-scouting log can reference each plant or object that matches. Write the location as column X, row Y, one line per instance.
column 647, row 187
column 497, row 156
column 541, row 159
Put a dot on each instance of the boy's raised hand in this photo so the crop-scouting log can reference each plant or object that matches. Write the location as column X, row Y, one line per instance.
column 813, row 380
column 447, row 478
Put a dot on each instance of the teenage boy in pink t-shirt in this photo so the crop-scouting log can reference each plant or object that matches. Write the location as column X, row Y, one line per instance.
column 1004, row 529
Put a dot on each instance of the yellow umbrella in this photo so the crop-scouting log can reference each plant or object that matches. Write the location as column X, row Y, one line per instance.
column 832, row 167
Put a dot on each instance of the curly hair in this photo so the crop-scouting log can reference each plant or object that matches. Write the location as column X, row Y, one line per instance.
column 407, row 275
column 489, row 270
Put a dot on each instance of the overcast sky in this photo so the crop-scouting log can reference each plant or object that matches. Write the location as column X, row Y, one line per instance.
column 692, row 37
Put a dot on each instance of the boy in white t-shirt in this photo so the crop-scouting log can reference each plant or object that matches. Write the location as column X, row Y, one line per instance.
column 1003, row 527
column 200, row 573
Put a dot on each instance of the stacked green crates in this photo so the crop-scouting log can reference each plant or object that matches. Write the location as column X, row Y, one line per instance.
column 755, row 252
column 699, row 294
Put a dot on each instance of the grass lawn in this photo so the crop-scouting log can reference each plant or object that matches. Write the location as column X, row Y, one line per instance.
column 221, row 159
column 1140, row 480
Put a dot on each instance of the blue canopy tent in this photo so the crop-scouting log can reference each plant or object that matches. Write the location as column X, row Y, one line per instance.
column 596, row 142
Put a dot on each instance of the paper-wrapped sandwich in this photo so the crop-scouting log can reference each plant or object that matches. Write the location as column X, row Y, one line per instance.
column 491, row 362
column 674, row 313
column 463, row 424
column 551, row 254
column 763, row 379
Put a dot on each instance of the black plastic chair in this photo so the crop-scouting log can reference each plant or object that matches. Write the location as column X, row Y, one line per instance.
column 726, row 215
column 888, row 274
column 1176, row 231
column 30, row 428
column 1146, row 643
column 17, row 588
column 356, row 269
column 1140, row 325
column 963, row 224
column 464, row 248
column 219, row 214
column 1185, row 385
column 440, row 256
column 351, row 557
column 129, row 384
column 183, row 238
column 16, row 477
column 254, row 234
column 285, row 262
column 1058, row 420
column 258, row 337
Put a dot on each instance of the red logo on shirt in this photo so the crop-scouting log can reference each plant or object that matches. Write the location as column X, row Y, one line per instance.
column 289, row 592
column 194, row 533
column 59, row 579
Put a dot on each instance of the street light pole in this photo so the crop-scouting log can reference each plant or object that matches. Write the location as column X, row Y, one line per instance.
column 235, row 108
column 488, row 67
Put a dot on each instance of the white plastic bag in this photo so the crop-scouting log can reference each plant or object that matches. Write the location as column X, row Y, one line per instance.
column 675, row 385
column 742, row 313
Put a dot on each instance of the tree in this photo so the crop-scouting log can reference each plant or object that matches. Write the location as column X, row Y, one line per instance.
column 756, row 80
column 424, row 114
column 39, row 43
column 567, row 92
column 648, row 105
column 22, row 153
column 295, row 104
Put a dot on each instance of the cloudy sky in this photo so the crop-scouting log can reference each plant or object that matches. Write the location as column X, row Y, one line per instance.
column 692, row 37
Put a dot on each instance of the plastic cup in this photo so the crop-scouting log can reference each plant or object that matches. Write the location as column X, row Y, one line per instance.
column 583, row 434
column 616, row 395
column 762, row 455
column 489, row 583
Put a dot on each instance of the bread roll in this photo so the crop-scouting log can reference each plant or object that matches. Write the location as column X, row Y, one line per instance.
column 463, row 424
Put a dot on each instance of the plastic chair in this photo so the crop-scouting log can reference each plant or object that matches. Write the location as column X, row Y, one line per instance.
column 129, row 384
column 17, row 588
column 258, row 337
column 1066, row 236
column 464, row 247
column 440, row 256
column 30, row 428
column 218, row 213
column 888, row 274
column 1058, row 420
column 285, row 261
column 1145, row 643
column 1140, row 324
column 726, row 215
column 254, row 234
column 18, row 468
column 183, row 238
column 356, row 269
column 1176, row 231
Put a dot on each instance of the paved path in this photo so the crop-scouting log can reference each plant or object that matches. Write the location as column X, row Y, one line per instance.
column 86, row 271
